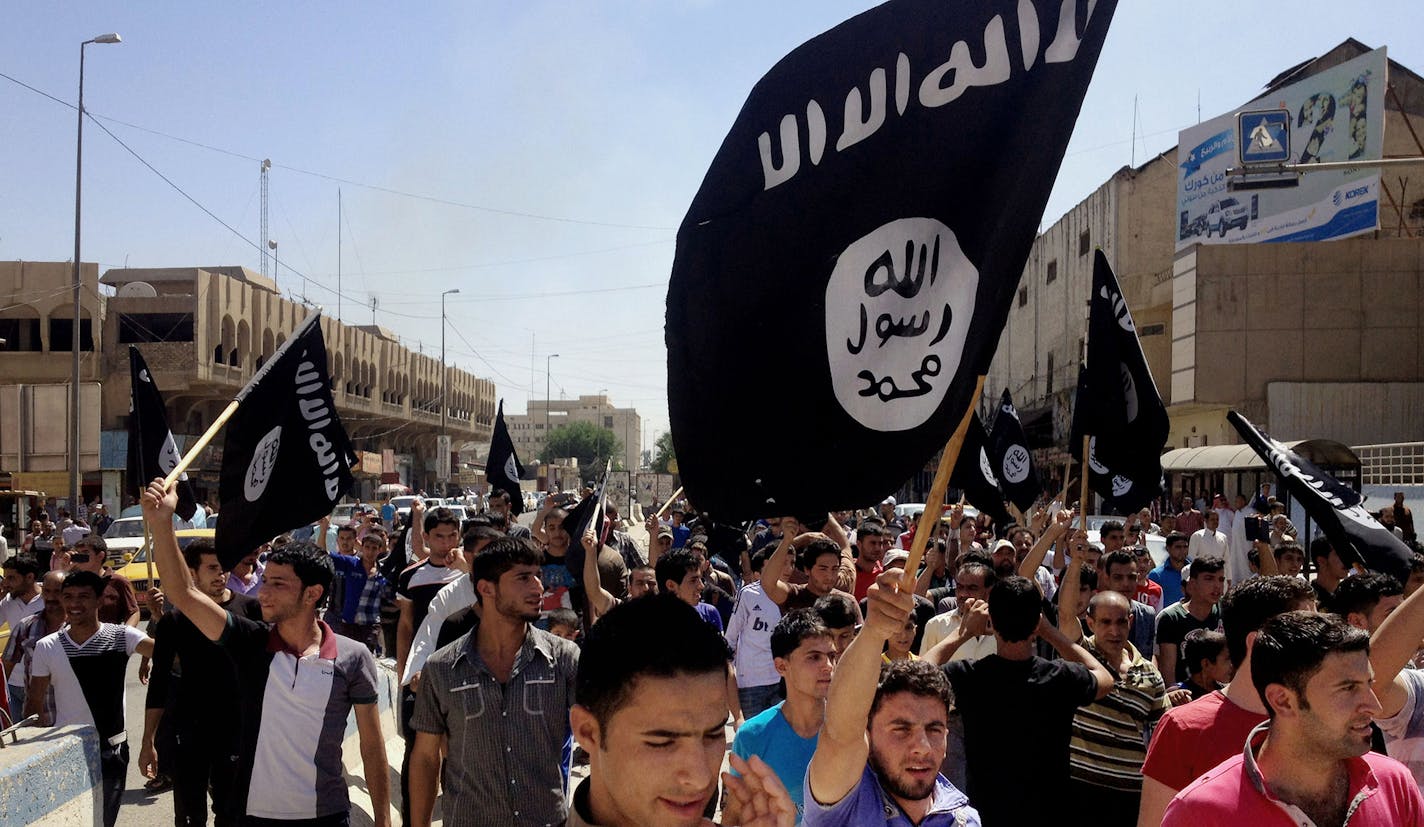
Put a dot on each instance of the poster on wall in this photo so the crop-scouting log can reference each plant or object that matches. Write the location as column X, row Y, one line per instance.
column 619, row 484
column 1335, row 115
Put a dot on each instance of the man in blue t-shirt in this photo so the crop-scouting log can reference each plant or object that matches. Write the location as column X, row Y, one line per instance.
column 680, row 572
column 784, row 736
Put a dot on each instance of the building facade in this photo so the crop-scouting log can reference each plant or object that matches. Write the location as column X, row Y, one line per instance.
column 528, row 430
column 204, row 331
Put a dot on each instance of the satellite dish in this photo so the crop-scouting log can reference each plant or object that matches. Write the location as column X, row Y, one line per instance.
column 137, row 290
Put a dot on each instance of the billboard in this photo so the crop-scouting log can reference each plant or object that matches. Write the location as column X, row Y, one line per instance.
column 1336, row 115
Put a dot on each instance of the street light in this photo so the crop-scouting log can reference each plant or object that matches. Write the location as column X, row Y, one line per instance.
column 444, row 382
column 551, row 357
column 74, row 338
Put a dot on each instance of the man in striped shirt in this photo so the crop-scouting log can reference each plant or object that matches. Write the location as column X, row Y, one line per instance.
column 1109, row 742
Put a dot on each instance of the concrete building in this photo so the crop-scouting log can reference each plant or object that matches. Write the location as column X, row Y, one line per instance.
column 528, row 429
column 204, row 331
column 1302, row 338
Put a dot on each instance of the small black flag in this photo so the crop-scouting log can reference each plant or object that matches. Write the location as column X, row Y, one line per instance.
column 974, row 474
column 1013, row 464
column 589, row 511
column 286, row 456
column 861, row 234
column 1335, row 507
column 502, row 470
column 152, row 449
column 1123, row 489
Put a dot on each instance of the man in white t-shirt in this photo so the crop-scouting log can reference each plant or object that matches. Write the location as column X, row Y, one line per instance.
column 749, row 635
column 1208, row 542
column 86, row 664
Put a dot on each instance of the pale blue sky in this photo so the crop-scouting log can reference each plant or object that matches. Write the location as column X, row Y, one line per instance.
column 600, row 112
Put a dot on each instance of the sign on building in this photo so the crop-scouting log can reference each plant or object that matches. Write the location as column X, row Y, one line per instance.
column 1335, row 115
column 619, row 489
column 442, row 457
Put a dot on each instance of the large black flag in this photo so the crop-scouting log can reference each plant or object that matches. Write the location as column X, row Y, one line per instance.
column 152, row 449
column 974, row 474
column 860, row 234
column 1123, row 489
column 1335, row 507
column 502, row 470
column 1013, row 464
column 286, row 456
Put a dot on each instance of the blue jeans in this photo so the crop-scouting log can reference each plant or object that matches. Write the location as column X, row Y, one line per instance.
column 17, row 702
column 758, row 699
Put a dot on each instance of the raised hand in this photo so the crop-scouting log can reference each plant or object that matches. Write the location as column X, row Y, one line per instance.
column 974, row 616
column 760, row 796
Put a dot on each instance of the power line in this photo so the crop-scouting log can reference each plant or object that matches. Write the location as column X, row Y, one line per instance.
column 434, row 199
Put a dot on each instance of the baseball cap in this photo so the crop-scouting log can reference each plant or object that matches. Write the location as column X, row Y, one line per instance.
column 888, row 501
column 896, row 557
column 1003, row 544
column 664, row 532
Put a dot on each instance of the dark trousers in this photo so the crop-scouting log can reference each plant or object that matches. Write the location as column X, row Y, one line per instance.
column 407, row 711
column 205, row 762
column 114, row 767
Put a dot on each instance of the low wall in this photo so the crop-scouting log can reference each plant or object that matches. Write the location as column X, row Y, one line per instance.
column 51, row 777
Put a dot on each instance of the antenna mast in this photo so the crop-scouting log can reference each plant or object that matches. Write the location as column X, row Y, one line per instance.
column 262, row 243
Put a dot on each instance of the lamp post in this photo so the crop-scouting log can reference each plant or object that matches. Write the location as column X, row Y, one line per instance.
column 444, row 382
column 550, row 358
column 74, row 338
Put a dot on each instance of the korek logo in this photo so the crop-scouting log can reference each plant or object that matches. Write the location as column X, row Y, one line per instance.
column 898, row 306
column 264, row 461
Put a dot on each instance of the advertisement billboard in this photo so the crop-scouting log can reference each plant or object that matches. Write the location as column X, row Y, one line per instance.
column 1336, row 115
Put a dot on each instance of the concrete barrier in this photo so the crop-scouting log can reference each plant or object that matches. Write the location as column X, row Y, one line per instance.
column 51, row 777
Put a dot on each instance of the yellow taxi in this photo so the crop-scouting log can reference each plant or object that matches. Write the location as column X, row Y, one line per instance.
column 135, row 566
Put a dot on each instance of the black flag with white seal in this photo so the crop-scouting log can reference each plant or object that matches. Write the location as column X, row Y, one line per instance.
column 1125, row 412
column 502, row 470
column 974, row 474
column 152, row 450
column 1013, row 464
column 1337, row 508
column 1123, row 488
column 590, row 511
column 286, row 456
column 857, row 241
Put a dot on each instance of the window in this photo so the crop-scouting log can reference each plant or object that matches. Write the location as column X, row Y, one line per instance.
column 1085, row 243
column 608, row 422
column 1151, row 330
column 20, row 335
column 1023, row 296
column 1052, row 272
column 61, row 335
column 1049, row 389
column 155, row 327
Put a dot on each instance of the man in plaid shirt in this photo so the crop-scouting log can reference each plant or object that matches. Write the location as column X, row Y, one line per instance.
column 365, row 590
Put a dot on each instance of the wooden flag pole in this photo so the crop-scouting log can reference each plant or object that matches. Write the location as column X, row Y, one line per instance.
column 668, row 504
column 148, row 551
column 1083, row 512
column 940, row 486
column 200, row 444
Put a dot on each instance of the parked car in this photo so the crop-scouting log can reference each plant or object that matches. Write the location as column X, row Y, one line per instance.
column 125, row 536
column 135, row 564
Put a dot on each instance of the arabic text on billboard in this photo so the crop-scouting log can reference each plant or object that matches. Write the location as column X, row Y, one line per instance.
column 1336, row 115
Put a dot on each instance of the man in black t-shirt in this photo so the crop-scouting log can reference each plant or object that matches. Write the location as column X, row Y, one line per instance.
column 1014, row 701
column 197, row 696
column 1204, row 584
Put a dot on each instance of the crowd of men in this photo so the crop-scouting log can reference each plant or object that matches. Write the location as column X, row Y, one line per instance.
column 1021, row 674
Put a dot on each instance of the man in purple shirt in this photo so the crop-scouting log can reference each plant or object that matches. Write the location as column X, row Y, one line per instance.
column 886, row 772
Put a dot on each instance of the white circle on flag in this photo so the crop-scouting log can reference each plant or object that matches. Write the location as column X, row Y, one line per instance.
column 898, row 306
column 1016, row 464
column 987, row 468
column 1098, row 467
column 1129, row 393
column 263, row 463
column 511, row 470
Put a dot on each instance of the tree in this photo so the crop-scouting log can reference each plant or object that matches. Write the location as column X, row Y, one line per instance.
column 586, row 442
column 663, row 455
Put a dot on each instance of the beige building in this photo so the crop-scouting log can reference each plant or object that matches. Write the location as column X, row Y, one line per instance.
column 528, row 429
column 204, row 331
column 1314, row 340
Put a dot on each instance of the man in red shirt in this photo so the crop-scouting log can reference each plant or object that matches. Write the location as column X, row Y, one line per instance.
column 871, row 541
column 1311, row 764
column 1191, row 739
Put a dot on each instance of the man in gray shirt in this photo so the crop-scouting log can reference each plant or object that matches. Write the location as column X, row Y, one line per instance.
column 501, row 694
